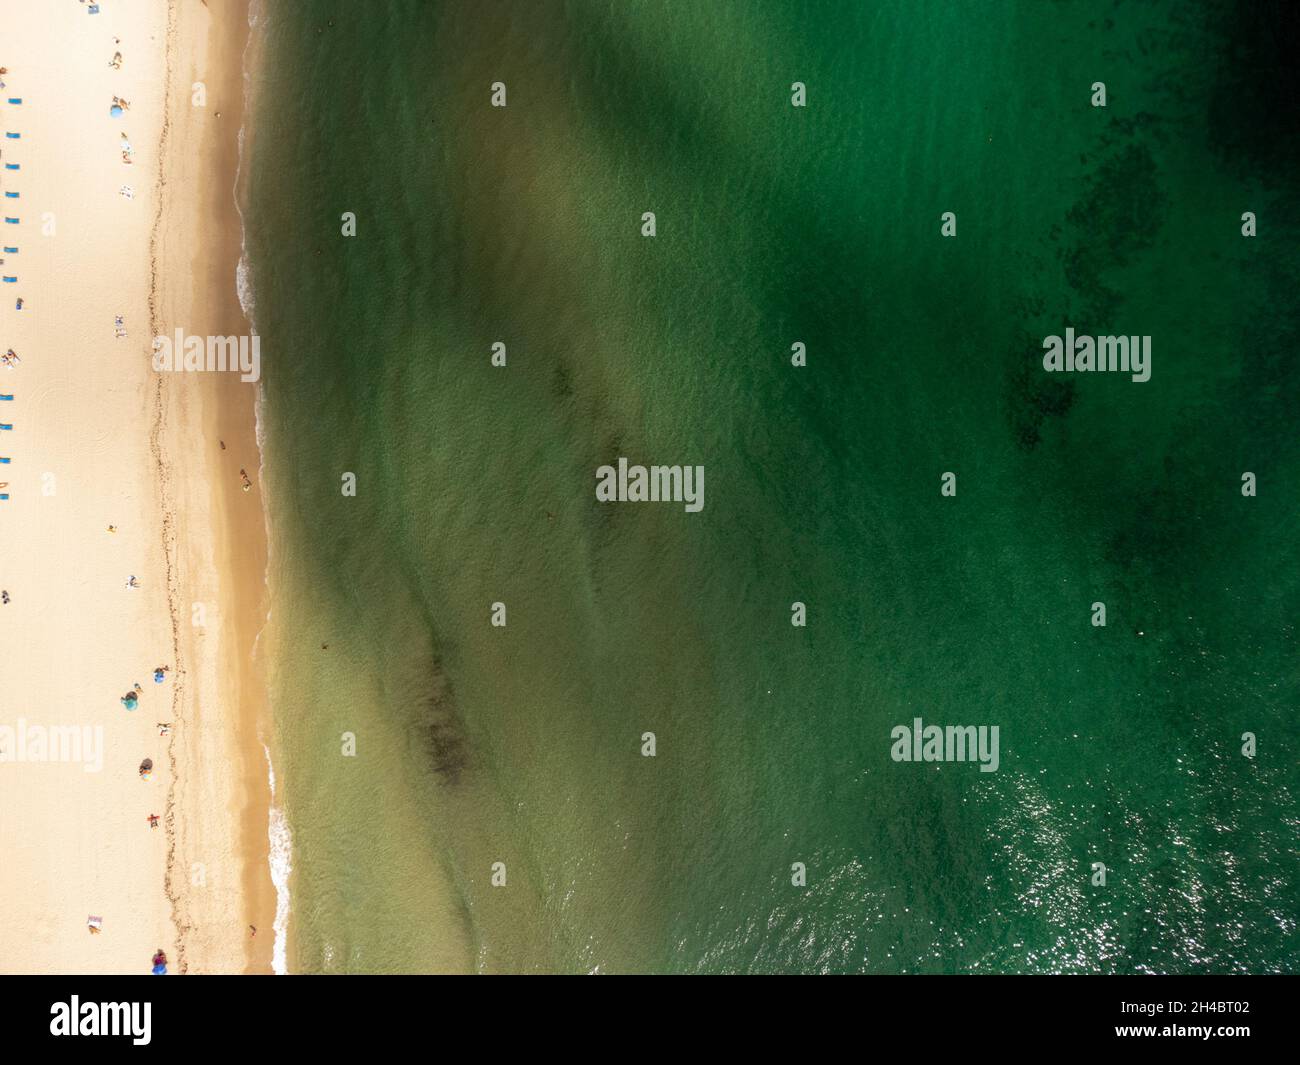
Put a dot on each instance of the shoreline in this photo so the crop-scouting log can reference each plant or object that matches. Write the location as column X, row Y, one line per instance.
column 209, row 48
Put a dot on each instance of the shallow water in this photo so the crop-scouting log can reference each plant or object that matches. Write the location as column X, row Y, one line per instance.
column 775, row 225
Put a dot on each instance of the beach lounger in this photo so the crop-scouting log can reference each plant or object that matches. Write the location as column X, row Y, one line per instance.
column 12, row 195
column 12, row 221
column 14, row 136
column 10, row 280
column 11, row 251
column 6, row 397
column 12, row 166
column 3, row 425
column 15, row 99
column 4, row 459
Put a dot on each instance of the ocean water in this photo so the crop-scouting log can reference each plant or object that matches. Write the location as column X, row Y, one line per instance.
column 820, row 225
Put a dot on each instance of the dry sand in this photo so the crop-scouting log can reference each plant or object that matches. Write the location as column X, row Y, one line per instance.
column 101, row 439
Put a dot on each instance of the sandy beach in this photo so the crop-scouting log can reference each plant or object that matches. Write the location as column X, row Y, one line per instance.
column 128, row 540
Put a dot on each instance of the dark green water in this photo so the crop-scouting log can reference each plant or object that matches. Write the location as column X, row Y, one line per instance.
column 777, row 224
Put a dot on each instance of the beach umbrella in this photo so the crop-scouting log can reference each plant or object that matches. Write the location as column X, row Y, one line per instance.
column 115, row 111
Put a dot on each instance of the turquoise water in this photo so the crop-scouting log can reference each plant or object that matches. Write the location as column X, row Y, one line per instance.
column 776, row 225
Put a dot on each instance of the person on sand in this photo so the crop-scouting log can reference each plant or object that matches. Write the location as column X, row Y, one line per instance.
column 159, row 963
column 153, row 820
column 164, row 727
column 244, row 476
column 131, row 582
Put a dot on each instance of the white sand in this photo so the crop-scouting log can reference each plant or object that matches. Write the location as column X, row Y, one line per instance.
column 101, row 439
